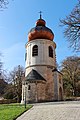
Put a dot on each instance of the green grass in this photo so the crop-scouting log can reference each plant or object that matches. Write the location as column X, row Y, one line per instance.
column 12, row 111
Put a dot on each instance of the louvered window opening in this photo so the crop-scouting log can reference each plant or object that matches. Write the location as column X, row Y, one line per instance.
column 35, row 51
column 50, row 52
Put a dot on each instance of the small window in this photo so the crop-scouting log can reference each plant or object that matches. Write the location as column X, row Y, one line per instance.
column 59, row 78
column 35, row 50
column 25, row 56
column 29, row 87
column 50, row 52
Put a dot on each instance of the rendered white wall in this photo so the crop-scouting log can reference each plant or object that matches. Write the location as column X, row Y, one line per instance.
column 43, row 53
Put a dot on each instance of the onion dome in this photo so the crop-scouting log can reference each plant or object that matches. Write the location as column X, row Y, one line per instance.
column 40, row 31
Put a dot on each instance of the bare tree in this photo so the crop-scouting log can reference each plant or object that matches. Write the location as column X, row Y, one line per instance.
column 16, row 77
column 3, row 77
column 3, row 73
column 72, row 28
column 3, row 4
column 1, row 64
column 71, row 73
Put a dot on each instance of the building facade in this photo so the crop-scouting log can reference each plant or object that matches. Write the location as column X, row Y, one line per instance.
column 43, row 82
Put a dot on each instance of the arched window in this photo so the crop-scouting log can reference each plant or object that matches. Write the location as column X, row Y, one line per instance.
column 29, row 87
column 60, row 94
column 50, row 52
column 25, row 56
column 35, row 50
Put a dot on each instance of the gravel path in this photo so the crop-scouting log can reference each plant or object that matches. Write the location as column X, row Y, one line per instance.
column 53, row 111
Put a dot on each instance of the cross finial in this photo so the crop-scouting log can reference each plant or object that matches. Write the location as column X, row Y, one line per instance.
column 40, row 14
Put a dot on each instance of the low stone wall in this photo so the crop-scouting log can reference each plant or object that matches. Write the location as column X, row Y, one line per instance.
column 7, row 101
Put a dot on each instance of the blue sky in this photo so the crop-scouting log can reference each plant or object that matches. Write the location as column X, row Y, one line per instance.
column 20, row 17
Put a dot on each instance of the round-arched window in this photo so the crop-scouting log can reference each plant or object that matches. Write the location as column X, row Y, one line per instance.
column 50, row 52
column 35, row 50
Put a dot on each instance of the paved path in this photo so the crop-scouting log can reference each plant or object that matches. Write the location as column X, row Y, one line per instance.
column 53, row 111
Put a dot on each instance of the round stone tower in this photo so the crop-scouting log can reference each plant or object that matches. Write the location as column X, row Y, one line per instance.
column 40, row 62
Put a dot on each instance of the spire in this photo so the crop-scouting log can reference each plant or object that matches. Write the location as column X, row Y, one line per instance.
column 40, row 14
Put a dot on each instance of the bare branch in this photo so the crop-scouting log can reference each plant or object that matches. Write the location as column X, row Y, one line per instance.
column 3, row 4
column 72, row 28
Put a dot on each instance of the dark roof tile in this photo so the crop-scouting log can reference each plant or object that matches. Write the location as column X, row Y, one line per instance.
column 34, row 76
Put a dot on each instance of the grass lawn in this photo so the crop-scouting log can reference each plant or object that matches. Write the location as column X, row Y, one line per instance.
column 11, row 111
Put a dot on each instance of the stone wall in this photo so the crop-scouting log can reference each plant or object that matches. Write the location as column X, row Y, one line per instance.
column 45, row 90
